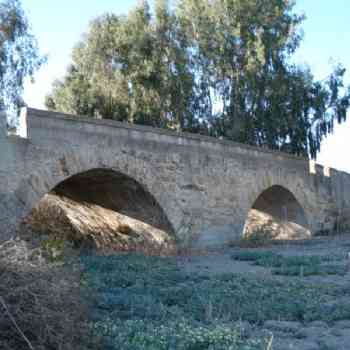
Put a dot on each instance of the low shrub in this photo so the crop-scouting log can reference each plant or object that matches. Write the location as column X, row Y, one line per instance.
column 41, row 306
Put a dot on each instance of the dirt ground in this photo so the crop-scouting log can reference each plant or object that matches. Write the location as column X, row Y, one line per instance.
column 316, row 335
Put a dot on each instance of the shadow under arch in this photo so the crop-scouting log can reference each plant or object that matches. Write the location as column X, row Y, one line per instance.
column 276, row 214
column 103, row 207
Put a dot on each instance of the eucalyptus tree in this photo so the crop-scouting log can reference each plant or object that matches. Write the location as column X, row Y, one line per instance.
column 219, row 67
column 19, row 57
column 247, row 86
column 133, row 68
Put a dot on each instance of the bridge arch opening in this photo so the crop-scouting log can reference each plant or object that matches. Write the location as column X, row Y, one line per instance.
column 276, row 214
column 102, row 208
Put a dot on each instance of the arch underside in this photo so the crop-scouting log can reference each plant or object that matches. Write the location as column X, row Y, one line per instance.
column 102, row 208
column 277, row 214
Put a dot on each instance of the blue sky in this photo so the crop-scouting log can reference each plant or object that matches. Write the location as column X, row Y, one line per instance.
column 58, row 25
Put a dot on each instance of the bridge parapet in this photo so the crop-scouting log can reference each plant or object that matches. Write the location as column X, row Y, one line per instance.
column 31, row 117
column 320, row 170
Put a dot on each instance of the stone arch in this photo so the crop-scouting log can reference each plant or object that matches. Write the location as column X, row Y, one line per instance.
column 276, row 213
column 114, row 191
column 67, row 169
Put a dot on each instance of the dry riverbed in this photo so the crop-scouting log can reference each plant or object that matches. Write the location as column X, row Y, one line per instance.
column 278, row 297
column 321, row 264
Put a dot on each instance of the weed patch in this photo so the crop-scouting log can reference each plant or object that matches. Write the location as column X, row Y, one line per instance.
column 179, row 335
column 292, row 265
column 148, row 303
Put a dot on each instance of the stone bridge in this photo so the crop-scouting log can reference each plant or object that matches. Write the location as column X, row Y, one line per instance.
column 205, row 190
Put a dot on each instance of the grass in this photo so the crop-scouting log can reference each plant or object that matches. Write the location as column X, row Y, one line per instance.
column 292, row 265
column 148, row 303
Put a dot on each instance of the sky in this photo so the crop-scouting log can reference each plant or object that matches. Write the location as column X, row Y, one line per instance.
column 59, row 25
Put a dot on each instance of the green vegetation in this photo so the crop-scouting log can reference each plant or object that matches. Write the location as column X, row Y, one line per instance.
column 179, row 335
column 292, row 265
column 259, row 238
column 251, row 255
column 130, row 301
column 53, row 248
column 148, row 303
column 217, row 67
column 19, row 57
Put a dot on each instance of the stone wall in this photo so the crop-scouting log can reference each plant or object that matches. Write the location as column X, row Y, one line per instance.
column 204, row 186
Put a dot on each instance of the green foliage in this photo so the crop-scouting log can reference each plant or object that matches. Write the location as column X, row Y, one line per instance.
column 249, row 255
column 219, row 67
column 309, row 270
column 261, row 237
column 53, row 248
column 130, row 69
column 148, row 303
column 243, row 50
column 180, row 335
column 19, row 56
column 292, row 265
